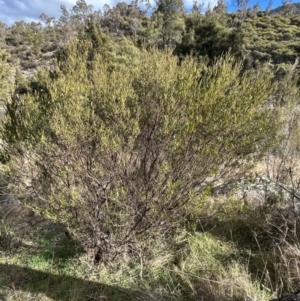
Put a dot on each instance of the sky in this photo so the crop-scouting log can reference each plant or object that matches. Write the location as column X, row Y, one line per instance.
column 30, row 10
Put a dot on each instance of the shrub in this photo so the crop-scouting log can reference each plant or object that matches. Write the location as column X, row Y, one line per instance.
column 5, row 77
column 117, row 156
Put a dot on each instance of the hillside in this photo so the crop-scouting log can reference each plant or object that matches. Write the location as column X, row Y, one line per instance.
column 257, row 36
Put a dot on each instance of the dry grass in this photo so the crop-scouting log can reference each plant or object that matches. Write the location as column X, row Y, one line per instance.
column 240, row 254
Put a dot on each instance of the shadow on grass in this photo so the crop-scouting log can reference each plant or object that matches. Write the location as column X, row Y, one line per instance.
column 43, row 265
column 14, row 278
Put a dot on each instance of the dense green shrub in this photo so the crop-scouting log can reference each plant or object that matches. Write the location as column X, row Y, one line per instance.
column 6, row 81
column 119, row 156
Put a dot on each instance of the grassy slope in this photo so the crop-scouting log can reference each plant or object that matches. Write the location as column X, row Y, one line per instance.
column 222, row 259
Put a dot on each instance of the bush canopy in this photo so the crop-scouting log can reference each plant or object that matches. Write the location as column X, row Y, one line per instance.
column 120, row 157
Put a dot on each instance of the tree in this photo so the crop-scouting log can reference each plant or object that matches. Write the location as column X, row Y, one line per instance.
column 208, row 36
column 243, row 6
column 123, row 17
column 81, row 12
column 121, row 156
column 168, row 17
column 197, row 8
column 47, row 20
column 220, row 8
column 78, row 16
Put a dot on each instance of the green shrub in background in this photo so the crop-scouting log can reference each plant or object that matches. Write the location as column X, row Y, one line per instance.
column 121, row 156
column 6, row 81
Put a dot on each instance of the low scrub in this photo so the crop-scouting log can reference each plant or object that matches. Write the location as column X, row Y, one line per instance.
column 119, row 157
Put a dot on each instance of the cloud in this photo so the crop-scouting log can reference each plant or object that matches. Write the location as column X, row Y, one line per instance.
column 20, row 5
column 30, row 10
column 16, row 10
